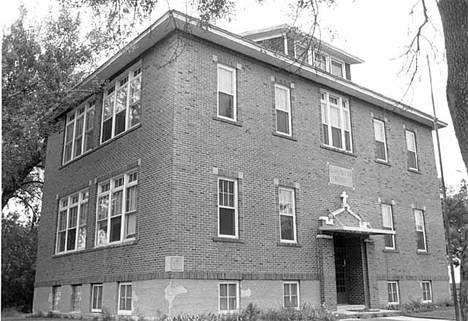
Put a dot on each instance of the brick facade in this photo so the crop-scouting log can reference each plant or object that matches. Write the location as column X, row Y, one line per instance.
column 181, row 148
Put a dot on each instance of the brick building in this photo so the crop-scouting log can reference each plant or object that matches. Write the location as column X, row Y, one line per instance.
column 212, row 170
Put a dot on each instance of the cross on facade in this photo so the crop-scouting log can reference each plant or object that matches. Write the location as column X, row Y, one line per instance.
column 344, row 196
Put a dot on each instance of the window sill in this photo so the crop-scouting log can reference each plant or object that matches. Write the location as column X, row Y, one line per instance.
column 227, row 240
column 382, row 162
column 117, row 244
column 284, row 136
column 288, row 244
column 413, row 170
column 334, row 149
column 390, row 251
column 229, row 121
column 418, row 252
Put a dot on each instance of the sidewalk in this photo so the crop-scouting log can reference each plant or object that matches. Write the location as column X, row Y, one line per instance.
column 395, row 318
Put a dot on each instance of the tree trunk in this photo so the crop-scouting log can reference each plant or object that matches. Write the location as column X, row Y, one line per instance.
column 454, row 16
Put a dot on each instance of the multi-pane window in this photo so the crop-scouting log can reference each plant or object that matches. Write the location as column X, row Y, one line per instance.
column 56, row 293
column 226, row 92
column 291, row 295
column 227, row 208
column 426, row 291
column 283, row 110
column 392, row 291
column 412, row 152
column 336, row 68
column 336, row 122
column 117, row 209
column 320, row 60
column 228, row 297
column 420, row 230
column 96, row 298
column 76, row 298
column 122, row 104
column 79, row 131
column 380, row 140
column 387, row 223
column 72, row 221
column 287, row 213
column 125, row 298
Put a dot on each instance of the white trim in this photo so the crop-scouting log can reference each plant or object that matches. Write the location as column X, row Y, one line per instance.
column 235, row 208
column 288, row 111
column 410, row 137
column 419, row 230
column 98, row 285
column 429, row 284
column 392, row 224
column 293, row 214
column 227, row 283
column 397, row 292
column 344, row 119
column 298, row 293
column 384, row 141
column 124, row 312
column 234, row 91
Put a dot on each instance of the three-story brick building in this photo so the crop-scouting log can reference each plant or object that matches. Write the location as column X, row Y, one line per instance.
column 213, row 170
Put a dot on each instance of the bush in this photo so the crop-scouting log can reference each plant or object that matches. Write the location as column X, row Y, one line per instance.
column 418, row 306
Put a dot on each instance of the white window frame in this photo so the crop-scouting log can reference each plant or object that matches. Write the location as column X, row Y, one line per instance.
column 290, row 284
column 108, row 189
column 343, row 69
column 120, row 310
column 344, row 113
column 235, row 208
column 76, row 297
column 234, row 91
column 78, row 200
column 237, row 296
column 420, row 227
column 99, row 300
column 288, row 108
column 379, row 128
column 426, row 287
column 131, row 76
column 392, row 290
column 283, row 213
column 388, row 223
column 412, row 148
column 318, row 64
column 85, row 113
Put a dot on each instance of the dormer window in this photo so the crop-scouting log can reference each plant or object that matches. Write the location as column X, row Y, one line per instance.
column 336, row 67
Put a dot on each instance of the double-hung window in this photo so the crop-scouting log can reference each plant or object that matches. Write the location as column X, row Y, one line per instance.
column 380, row 141
column 412, row 152
column 72, row 221
column 227, row 92
column 336, row 123
column 426, row 291
column 125, row 298
column 227, row 208
column 336, row 67
column 76, row 298
column 228, row 297
column 96, row 298
column 287, row 212
column 79, row 131
column 122, row 104
column 420, row 230
column 392, row 291
column 116, row 209
column 291, row 295
column 387, row 223
column 283, row 110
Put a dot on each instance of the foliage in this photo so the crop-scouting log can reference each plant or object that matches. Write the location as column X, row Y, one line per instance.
column 457, row 212
column 19, row 247
column 418, row 306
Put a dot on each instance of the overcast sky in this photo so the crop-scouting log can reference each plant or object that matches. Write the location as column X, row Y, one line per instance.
column 376, row 31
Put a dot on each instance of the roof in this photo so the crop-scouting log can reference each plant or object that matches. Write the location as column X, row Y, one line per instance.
column 175, row 20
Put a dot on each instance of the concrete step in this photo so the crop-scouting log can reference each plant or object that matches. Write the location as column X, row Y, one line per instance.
column 362, row 312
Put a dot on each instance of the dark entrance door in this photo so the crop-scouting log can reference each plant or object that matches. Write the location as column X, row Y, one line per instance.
column 340, row 270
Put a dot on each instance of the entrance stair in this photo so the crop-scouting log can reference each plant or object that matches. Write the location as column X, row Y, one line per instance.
column 362, row 312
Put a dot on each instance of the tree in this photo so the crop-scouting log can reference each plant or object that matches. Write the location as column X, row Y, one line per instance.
column 457, row 212
column 19, row 248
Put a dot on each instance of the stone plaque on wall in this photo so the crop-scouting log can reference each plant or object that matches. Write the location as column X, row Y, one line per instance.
column 174, row 263
column 340, row 175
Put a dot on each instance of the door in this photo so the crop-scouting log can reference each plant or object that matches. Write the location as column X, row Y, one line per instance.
column 340, row 270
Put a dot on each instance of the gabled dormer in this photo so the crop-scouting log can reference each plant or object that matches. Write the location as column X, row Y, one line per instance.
column 308, row 50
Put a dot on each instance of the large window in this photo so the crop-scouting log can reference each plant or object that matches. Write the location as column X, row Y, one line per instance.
column 336, row 122
column 72, row 221
column 228, row 297
column 392, row 290
column 380, row 141
column 79, row 131
column 122, row 104
column 426, row 291
column 227, row 208
column 420, row 230
column 287, row 213
column 387, row 222
column 283, row 110
column 291, row 295
column 96, row 298
column 117, row 209
column 226, row 92
column 76, row 298
column 411, row 147
column 125, row 298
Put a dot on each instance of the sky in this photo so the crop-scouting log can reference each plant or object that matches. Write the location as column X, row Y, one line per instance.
column 377, row 31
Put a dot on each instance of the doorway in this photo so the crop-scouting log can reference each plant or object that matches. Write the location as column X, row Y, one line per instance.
column 341, row 270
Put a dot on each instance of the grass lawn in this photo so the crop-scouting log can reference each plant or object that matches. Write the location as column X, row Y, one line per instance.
column 447, row 313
